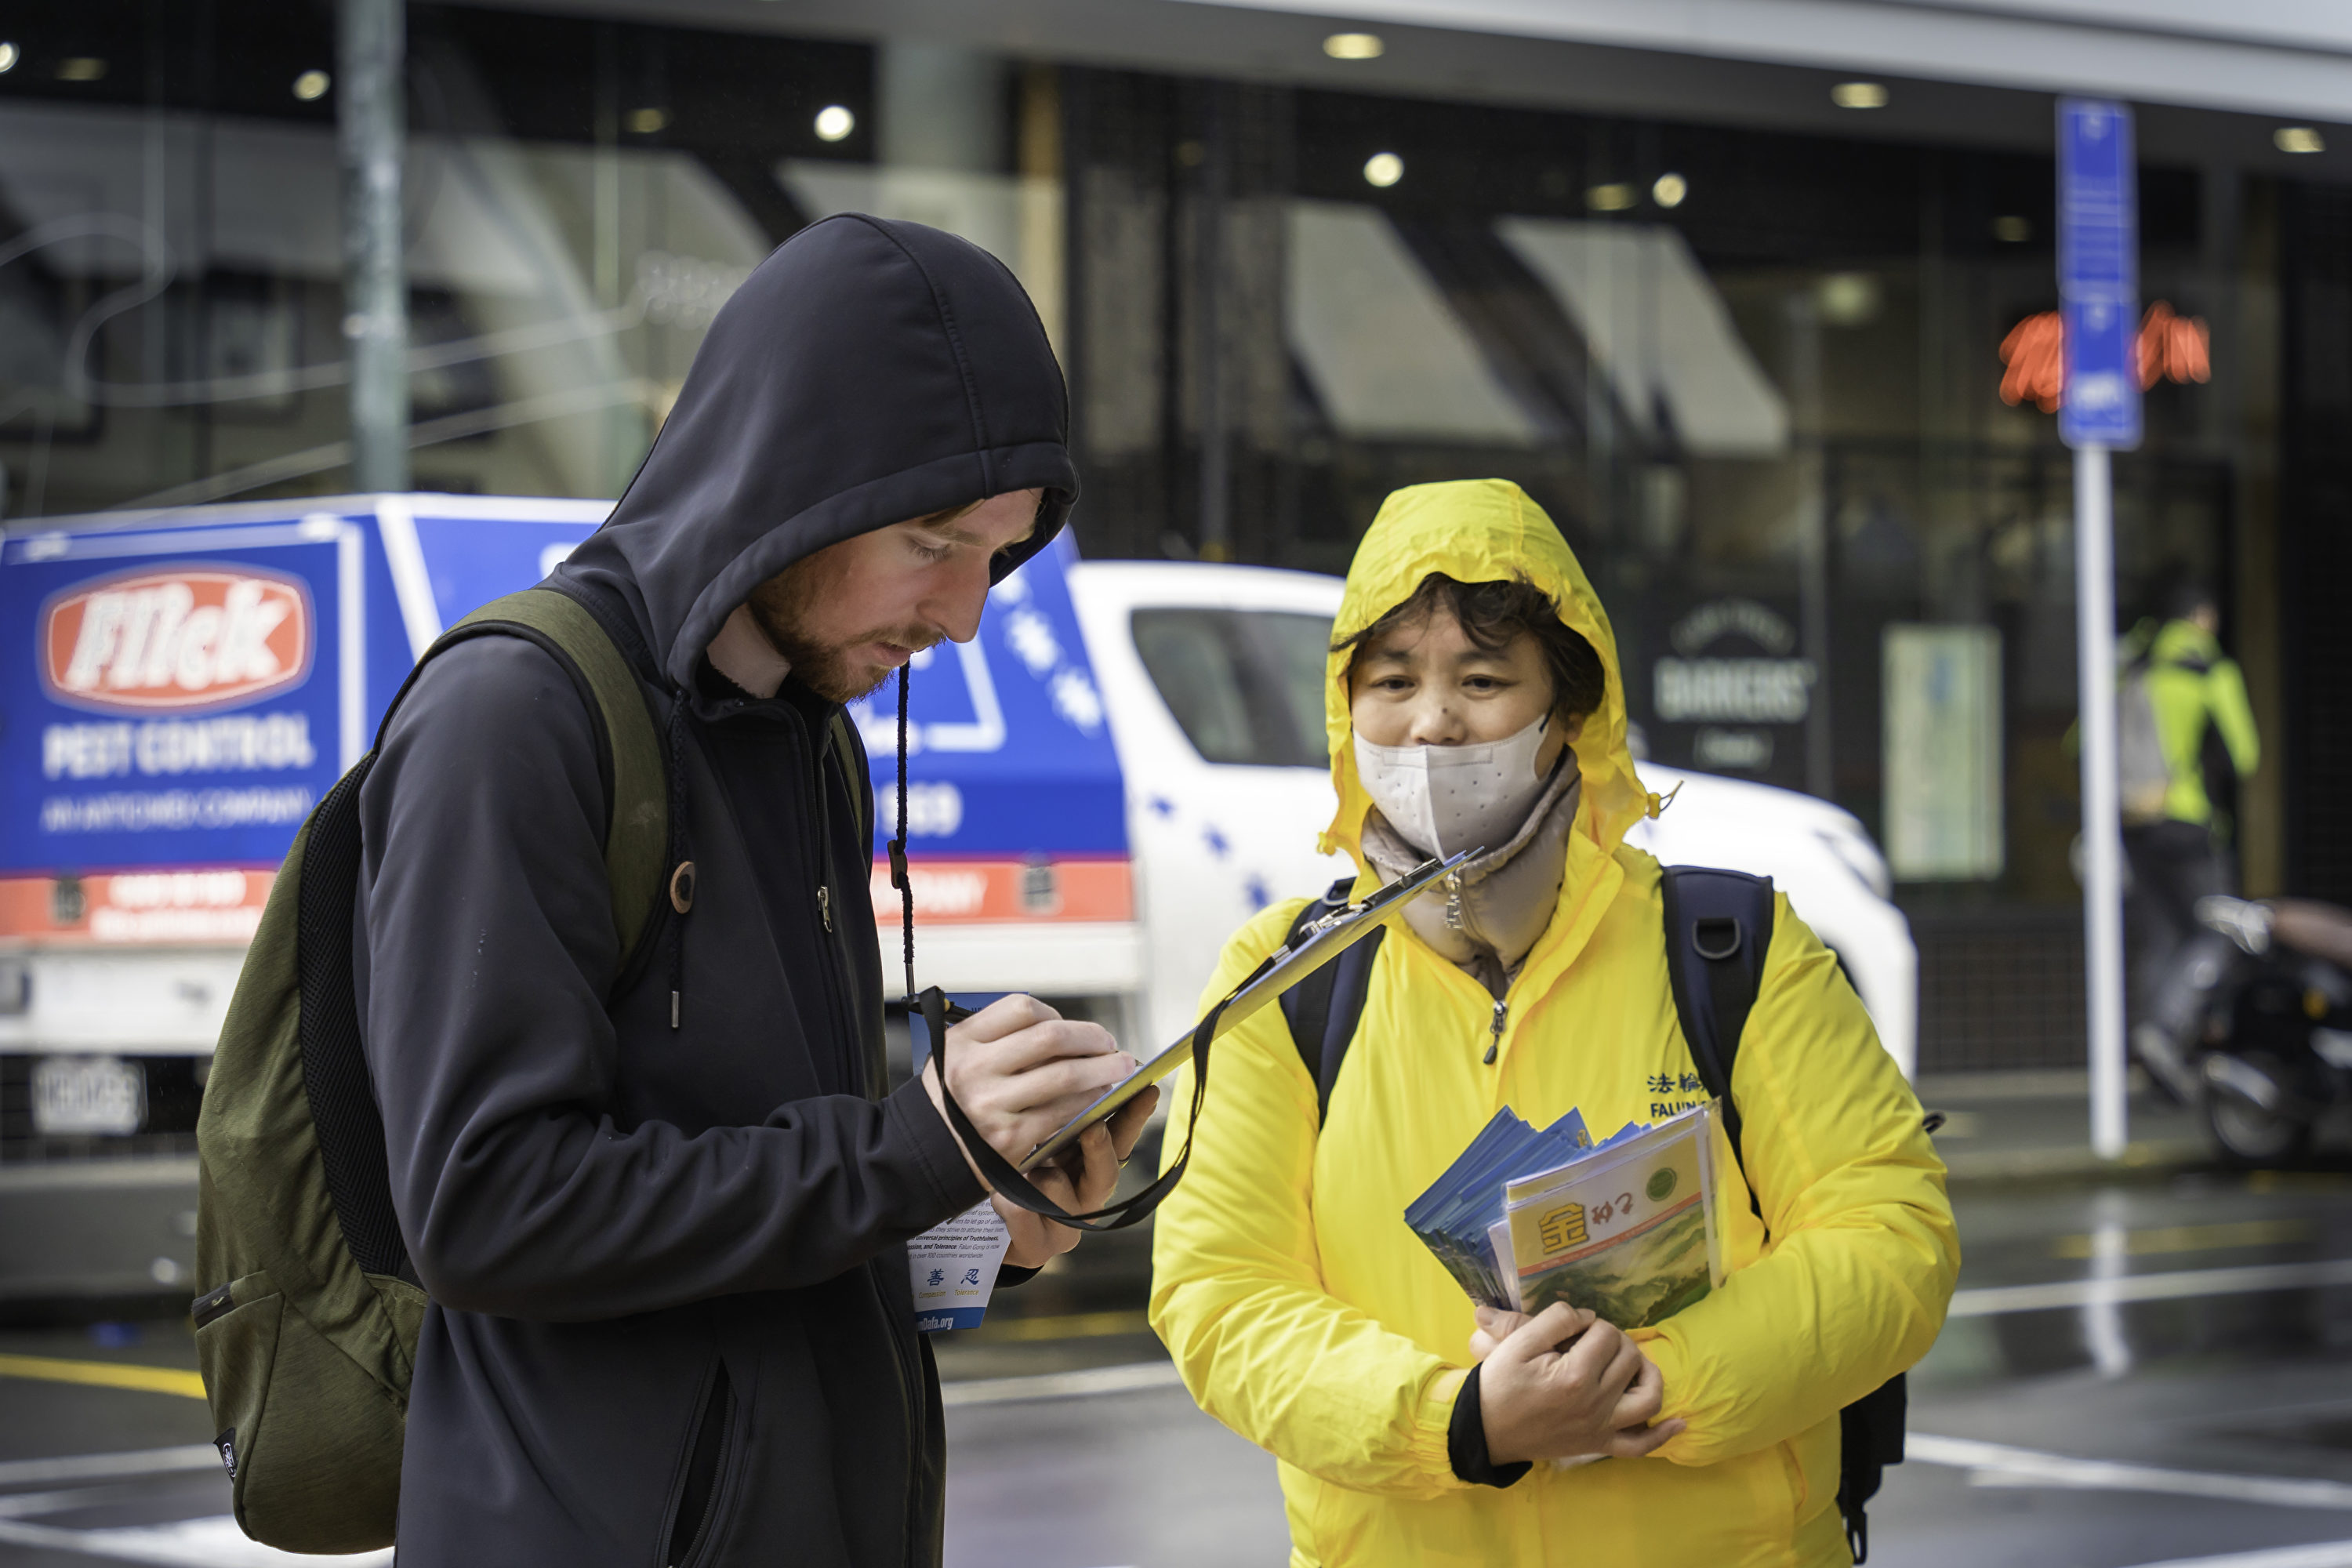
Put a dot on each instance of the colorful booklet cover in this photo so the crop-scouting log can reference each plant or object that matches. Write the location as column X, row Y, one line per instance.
column 1455, row 1217
column 1525, row 1217
column 1628, row 1231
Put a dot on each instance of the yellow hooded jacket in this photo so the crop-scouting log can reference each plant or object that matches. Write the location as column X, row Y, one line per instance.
column 1304, row 1315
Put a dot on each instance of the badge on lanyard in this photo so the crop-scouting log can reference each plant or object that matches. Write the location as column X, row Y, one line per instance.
column 952, row 1267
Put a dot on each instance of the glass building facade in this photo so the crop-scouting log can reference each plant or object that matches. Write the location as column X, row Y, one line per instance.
column 1779, row 376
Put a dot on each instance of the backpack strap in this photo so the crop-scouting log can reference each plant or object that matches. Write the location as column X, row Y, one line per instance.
column 1719, row 928
column 1323, row 1009
column 846, row 750
column 636, row 829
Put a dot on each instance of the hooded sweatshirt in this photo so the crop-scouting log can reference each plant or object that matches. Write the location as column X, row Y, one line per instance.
column 1304, row 1314
column 660, row 1200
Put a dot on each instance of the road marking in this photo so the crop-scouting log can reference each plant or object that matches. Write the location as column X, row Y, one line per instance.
column 2000, row 1465
column 66, row 1500
column 105, row 1467
column 2187, row 1239
column 214, row 1543
column 1992, row 1302
column 1131, row 1378
column 2319, row 1555
column 105, row 1374
column 1068, row 1326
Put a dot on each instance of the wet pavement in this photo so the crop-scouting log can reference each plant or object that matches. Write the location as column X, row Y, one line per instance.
column 2151, row 1366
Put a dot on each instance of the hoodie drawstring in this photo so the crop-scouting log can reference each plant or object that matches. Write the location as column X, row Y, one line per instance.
column 681, row 880
column 899, row 878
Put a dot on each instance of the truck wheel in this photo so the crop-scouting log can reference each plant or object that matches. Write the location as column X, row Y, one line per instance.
column 2250, row 1137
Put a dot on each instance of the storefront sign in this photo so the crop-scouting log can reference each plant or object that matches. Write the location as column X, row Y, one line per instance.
column 1728, row 694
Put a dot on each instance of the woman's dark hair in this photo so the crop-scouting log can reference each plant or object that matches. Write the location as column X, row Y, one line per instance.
column 1491, row 614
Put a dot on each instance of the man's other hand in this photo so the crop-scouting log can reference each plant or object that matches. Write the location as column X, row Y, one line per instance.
column 1541, row 1401
column 1019, row 1070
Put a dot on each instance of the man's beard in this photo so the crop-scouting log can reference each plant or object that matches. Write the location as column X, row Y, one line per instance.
column 781, row 605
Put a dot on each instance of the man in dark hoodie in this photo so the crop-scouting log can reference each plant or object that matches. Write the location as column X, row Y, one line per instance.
column 660, row 1200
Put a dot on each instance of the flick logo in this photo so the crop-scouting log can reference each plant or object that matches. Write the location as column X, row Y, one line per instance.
column 190, row 638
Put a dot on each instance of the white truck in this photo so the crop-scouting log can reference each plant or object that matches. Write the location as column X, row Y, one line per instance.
column 1123, row 766
column 1213, row 678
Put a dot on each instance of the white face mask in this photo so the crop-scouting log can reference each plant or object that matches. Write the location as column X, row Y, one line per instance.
column 1447, row 799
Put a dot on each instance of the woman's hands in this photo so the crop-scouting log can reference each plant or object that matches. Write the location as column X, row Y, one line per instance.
column 1539, row 1401
column 1019, row 1070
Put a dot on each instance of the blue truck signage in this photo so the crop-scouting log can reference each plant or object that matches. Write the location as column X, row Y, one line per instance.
column 184, row 689
column 176, row 695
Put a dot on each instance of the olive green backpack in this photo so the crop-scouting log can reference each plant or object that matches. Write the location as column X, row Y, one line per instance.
column 308, row 1321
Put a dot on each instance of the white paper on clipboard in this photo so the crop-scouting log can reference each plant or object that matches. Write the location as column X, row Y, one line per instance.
column 952, row 1267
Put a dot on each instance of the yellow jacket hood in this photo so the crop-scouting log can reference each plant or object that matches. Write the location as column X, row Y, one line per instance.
column 1479, row 531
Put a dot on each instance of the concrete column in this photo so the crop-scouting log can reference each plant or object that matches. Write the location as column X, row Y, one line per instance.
column 939, row 106
column 372, row 133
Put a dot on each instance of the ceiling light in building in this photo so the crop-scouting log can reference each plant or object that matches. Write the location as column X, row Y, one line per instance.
column 81, row 67
column 1610, row 198
column 2012, row 229
column 835, row 121
column 312, row 85
column 1669, row 190
column 7, row 56
column 1354, row 46
column 1847, row 298
column 645, row 122
column 1383, row 169
column 2298, row 139
column 1859, row 95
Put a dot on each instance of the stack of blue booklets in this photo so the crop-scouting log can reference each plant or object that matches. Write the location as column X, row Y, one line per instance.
column 1526, row 1216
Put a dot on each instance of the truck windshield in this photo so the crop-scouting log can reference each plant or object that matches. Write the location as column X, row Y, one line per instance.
column 1247, row 686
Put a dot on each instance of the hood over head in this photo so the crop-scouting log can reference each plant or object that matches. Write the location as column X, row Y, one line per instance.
column 1479, row 531
column 869, row 372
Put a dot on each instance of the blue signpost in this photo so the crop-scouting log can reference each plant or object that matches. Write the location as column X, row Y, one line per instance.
column 2098, row 274
column 2099, row 410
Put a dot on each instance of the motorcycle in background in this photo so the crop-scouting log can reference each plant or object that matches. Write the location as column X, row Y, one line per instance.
column 2254, row 1023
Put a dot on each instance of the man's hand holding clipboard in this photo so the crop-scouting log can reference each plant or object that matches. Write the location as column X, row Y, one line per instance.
column 1285, row 968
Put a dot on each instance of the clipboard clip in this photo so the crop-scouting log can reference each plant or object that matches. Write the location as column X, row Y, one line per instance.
column 1323, row 940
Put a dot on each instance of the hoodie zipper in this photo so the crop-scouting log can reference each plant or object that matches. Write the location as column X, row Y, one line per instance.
column 1495, row 1030
column 910, row 1383
column 820, row 850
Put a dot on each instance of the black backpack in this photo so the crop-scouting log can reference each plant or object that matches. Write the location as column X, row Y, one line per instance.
column 1719, row 926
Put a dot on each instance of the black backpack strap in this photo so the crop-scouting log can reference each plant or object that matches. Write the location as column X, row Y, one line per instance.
column 1323, row 1009
column 1718, row 929
column 1870, row 1438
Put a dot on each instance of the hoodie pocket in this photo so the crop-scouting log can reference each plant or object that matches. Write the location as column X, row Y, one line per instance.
column 702, row 1477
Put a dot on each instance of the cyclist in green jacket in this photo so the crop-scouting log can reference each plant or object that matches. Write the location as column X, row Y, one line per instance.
column 2180, row 848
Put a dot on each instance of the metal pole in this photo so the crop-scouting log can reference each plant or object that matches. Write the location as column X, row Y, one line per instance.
column 370, row 133
column 2103, row 900
column 1813, row 539
column 1216, row 457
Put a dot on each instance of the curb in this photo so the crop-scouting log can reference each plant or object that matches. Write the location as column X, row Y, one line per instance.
column 2159, row 1157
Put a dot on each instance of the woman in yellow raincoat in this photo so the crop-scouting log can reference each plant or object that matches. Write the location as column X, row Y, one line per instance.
column 1306, row 1316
